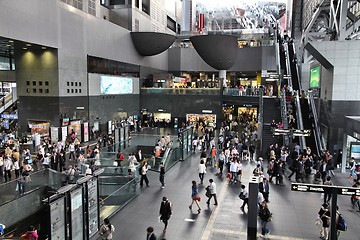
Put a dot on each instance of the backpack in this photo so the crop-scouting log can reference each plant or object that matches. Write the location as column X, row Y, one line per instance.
column 342, row 226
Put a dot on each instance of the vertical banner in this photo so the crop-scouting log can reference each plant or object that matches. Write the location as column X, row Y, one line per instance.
column 109, row 127
column 201, row 23
column 63, row 134
column 54, row 134
column 86, row 131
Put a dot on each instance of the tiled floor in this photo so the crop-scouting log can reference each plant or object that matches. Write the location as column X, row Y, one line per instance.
column 294, row 213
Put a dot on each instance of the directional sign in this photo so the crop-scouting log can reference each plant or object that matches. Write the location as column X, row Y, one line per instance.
column 304, row 187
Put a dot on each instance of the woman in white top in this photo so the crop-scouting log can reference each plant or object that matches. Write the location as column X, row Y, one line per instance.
column 16, row 168
column 202, row 171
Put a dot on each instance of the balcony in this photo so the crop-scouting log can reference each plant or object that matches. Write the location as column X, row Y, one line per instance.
column 181, row 91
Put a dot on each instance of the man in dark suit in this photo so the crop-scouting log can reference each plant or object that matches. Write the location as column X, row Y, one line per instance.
column 264, row 189
column 139, row 156
column 150, row 235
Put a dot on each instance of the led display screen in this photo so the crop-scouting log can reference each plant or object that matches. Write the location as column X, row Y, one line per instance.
column 314, row 77
column 116, row 85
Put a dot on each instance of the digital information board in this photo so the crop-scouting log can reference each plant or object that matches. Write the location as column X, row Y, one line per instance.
column 57, row 219
column 92, row 191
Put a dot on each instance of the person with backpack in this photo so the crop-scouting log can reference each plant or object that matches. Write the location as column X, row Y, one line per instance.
column 30, row 234
column 165, row 211
column 106, row 230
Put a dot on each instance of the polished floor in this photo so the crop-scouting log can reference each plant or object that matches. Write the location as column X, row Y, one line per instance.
column 294, row 213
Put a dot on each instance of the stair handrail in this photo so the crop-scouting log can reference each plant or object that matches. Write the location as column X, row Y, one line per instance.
column 317, row 131
column 284, row 115
column 297, row 67
column 261, row 116
column 299, row 119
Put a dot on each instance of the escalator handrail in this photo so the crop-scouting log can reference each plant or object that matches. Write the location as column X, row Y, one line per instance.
column 284, row 115
column 299, row 119
column 261, row 116
column 277, row 57
column 287, row 61
column 296, row 67
column 318, row 135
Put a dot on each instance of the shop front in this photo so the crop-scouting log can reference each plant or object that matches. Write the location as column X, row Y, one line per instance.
column 351, row 142
column 242, row 113
column 201, row 122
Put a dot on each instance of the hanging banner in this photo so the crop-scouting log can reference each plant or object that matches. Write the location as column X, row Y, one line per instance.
column 64, row 134
column 54, row 134
column 86, row 131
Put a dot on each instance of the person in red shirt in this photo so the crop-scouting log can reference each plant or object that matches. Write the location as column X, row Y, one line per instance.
column 213, row 156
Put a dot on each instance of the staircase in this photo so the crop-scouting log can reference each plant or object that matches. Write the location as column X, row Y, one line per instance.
column 271, row 111
column 308, row 125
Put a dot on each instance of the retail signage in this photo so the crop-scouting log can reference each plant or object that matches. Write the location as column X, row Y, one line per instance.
column 9, row 116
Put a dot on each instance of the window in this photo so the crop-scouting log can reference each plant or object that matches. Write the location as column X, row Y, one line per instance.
column 28, row 90
column 72, row 90
column 78, row 4
column 137, row 3
column 28, row 83
column 92, row 7
column 75, row 84
column 146, row 6
column 47, row 90
column 76, row 90
column 46, row 83
column 72, row 84
column 40, row 90
column 34, row 83
column 79, row 90
column 68, row 90
column 171, row 24
column 34, row 90
column 79, row 84
column 40, row 83
column 67, row 83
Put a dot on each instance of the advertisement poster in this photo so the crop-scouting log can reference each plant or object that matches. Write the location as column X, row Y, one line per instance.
column 77, row 221
column 76, row 126
column 54, row 133
column 315, row 76
column 64, row 134
column 109, row 127
column 86, row 132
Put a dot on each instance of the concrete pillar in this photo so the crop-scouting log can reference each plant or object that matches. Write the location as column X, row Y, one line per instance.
column 253, row 207
column 222, row 75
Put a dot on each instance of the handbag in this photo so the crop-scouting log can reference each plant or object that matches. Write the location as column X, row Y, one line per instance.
column 318, row 221
column 197, row 198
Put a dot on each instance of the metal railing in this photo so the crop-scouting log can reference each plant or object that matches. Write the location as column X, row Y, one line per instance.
column 181, row 91
column 245, row 92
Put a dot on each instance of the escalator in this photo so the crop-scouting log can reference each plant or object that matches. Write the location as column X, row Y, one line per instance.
column 282, row 59
column 293, row 67
column 308, row 125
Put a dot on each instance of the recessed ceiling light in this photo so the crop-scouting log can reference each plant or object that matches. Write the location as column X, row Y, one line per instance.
column 11, row 41
column 43, row 47
column 8, row 45
column 24, row 48
column 28, row 44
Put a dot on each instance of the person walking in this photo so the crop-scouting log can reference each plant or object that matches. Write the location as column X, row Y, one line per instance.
column 165, row 212
column 195, row 196
column 244, row 195
column 265, row 217
column 264, row 189
column 202, row 171
column 327, row 194
column 324, row 215
column 143, row 172
column 212, row 189
column 106, row 230
column 162, row 175
column 150, row 235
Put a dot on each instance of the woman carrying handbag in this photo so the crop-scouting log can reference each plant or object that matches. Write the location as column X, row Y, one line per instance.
column 195, row 196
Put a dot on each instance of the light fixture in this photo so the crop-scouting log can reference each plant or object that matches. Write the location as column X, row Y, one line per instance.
column 28, row 44
column 11, row 41
column 24, row 48
column 206, row 111
column 8, row 45
column 43, row 47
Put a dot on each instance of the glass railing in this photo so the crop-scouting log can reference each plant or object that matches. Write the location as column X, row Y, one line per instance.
column 246, row 92
column 115, row 193
column 181, row 91
column 9, row 190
